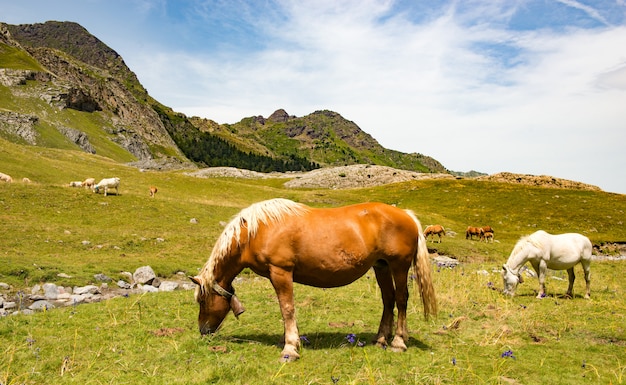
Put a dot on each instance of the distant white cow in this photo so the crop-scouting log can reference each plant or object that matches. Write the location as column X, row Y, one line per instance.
column 89, row 182
column 5, row 178
column 76, row 184
column 106, row 184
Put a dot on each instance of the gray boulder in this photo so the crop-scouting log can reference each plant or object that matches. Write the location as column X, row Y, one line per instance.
column 41, row 305
column 144, row 275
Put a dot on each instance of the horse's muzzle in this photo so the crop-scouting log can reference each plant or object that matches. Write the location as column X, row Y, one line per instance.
column 206, row 329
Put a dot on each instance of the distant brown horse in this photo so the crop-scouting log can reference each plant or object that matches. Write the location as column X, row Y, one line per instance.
column 473, row 231
column 289, row 242
column 484, row 231
column 153, row 191
column 434, row 230
column 488, row 229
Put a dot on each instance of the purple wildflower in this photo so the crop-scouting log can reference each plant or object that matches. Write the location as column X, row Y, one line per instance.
column 305, row 340
column 507, row 354
column 351, row 338
column 453, row 360
column 360, row 344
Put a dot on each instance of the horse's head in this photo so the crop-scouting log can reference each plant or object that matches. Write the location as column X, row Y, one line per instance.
column 510, row 280
column 215, row 302
column 96, row 188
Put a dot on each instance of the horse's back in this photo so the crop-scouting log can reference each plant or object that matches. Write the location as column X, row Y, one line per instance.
column 329, row 247
column 572, row 244
column 370, row 223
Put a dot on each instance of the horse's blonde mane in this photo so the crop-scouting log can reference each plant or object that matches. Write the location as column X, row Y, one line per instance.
column 265, row 212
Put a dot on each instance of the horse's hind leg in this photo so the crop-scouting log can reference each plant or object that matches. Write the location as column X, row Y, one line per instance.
column 402, row 297
column 571, row 277
column 586, row 265
column 385, row 282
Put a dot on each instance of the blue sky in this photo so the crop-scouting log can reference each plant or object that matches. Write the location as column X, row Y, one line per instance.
column 527, row 86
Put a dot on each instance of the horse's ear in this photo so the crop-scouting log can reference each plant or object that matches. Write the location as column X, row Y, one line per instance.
column 197, row 280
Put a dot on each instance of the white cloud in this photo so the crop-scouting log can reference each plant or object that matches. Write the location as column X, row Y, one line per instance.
column 440, row 88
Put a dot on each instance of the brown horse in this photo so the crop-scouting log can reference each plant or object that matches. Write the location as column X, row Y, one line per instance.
column 471, row 231
column 289, row 242
column 487, row 229
column 434, row 230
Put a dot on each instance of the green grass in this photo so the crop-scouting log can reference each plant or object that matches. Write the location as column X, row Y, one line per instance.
column 553, row 340
column 17, row 59
column 44, row 224
column 95, row 125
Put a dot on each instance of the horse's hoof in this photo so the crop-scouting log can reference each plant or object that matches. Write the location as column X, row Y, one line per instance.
column 398, row 345
column 289, row 356
column 398, row 349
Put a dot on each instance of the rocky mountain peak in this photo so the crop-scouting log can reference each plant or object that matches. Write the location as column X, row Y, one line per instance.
column 279, row 116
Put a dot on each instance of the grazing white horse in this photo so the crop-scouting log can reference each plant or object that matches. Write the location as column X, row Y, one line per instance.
column 5, row 178
column 106, row 184
column 89, row 182
column 546, row 251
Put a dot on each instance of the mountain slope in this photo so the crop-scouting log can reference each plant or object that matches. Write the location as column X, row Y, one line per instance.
column 62, row 87
column 81, row 73
column 324, row 137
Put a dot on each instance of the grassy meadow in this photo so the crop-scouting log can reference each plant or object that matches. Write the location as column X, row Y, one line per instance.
column 478, row 337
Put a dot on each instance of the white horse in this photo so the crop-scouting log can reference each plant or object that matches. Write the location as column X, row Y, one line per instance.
column 6, row 178
column 546, row 251
column 106, row 184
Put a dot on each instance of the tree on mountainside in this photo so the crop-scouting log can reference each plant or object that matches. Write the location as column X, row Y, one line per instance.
column 211, row 151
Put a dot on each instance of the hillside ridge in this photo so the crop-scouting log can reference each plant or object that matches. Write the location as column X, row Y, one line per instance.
column 53, row 67
column 62, row 63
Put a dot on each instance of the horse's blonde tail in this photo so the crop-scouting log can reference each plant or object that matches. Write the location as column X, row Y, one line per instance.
column 422, row 272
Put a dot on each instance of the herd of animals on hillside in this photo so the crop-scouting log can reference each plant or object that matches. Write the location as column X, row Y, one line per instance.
column 104, row 185
column 542, row 250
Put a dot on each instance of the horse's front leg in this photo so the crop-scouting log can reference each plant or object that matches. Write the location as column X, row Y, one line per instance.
column 541, row 269
column 282, row 281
